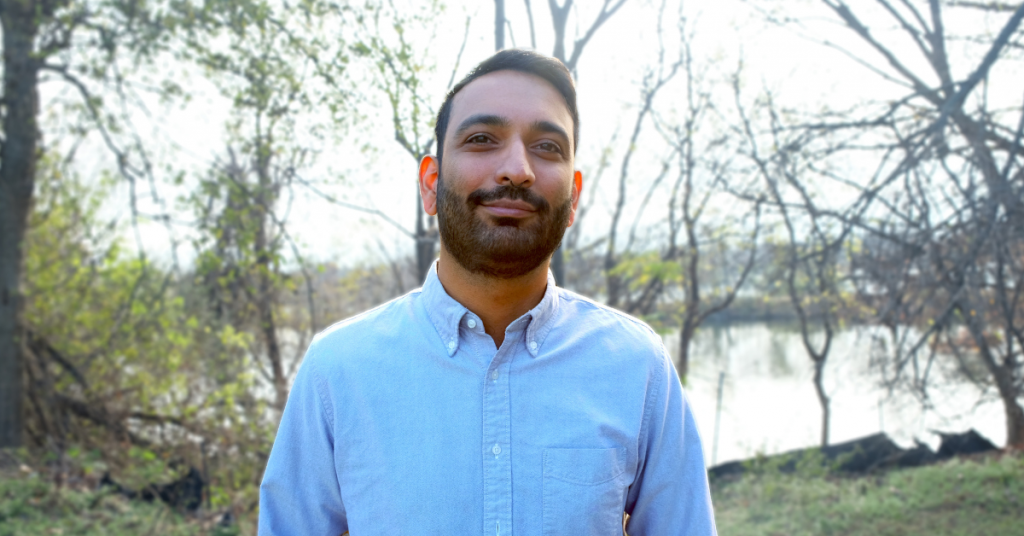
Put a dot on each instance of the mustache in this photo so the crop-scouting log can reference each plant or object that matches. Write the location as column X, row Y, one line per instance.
column 515, row 193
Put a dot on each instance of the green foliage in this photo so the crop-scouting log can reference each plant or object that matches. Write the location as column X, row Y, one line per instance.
column 162, row 387
column 107, row 312
column 30, row 505
column 956, row 498
column 641, row 269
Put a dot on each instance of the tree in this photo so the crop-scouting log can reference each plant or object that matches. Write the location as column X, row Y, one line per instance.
column 687, row 206
column 21, row 22
column 967, row 236
column 641, row 265
column 944, row 208
column 654, row 81
column 35, row 33
column 160, row 360
column 290, row 88
column 810, row 267
column 398, row 71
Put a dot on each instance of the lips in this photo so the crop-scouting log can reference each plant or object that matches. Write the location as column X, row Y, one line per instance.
column 509, row 208
column 509, row 202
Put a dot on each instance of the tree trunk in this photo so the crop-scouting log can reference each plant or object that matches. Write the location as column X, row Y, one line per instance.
column 1014, row 423
column 819, row 388
column 559, row 16
column 425, row 252
column 613, row 283
column 1002, row 376
column 266, row 293
column 499, row 24
column 685, row 336
column 558, row 265
column 18, row 157
column 265, row 304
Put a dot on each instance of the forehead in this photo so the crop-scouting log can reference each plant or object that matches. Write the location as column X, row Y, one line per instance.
column 520, row 97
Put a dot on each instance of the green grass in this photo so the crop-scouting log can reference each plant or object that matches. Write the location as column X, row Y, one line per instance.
column 959, row 497
column 31, row 506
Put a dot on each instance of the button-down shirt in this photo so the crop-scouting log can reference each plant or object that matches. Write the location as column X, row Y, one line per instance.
column 407, row 420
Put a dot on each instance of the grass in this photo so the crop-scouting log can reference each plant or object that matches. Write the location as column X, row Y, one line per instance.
column 959, row 497
column 32, row 506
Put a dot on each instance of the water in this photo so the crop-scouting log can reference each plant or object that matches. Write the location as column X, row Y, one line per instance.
column 769, row 403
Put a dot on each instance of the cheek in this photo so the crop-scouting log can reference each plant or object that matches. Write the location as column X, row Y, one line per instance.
column 561, row 187
column 466, row 173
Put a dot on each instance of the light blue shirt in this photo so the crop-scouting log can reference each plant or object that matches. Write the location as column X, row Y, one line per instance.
column 407, row 420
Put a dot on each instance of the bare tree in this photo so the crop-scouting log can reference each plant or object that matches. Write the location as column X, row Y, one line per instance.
column 614, row 287
column 810, row 267
column 687, row 203
column 637, row 276
column 943, row 212
column 968, row 229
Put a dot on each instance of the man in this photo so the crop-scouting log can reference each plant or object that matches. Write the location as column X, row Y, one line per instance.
column 491, row 401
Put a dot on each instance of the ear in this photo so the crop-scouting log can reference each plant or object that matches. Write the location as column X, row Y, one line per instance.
column 577, row 192
column 428, row 184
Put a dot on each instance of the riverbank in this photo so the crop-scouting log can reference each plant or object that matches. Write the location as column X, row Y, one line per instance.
column 960, row 497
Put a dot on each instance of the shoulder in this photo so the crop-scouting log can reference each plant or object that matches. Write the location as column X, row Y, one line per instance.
column 366, row 331
column 597, row 321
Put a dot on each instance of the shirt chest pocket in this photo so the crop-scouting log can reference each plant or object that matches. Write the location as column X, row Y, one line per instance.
column 584, row 491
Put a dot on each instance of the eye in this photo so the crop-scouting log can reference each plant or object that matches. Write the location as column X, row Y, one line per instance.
column 478, row 139
column 550, row 146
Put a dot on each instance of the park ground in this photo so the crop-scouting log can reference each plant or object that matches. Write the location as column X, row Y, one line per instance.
column 964, row 496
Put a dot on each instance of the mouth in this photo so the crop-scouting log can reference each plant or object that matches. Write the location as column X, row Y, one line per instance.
column 508, row 208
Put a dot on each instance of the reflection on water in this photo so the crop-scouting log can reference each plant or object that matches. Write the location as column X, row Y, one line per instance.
column 769, row 403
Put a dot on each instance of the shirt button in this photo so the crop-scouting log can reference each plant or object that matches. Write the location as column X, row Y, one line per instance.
column 533, row 345
column 451, row 345
column 494, row 375
column 471, row 323
column 496, row 450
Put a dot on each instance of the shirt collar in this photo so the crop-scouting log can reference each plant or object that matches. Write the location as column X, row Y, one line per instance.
column 446, row 314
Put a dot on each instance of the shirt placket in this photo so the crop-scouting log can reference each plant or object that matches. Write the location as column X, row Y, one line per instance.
column 497, row 440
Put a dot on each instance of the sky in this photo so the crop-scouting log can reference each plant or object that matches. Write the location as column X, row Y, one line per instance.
column 806, row 64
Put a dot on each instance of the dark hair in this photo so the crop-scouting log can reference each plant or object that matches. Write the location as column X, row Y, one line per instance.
column 526, row 61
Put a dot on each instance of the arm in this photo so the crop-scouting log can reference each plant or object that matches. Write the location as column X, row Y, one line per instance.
column 670, row 494
column 300, row 492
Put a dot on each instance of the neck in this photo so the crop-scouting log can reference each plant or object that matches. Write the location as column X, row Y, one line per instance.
column 498, row 302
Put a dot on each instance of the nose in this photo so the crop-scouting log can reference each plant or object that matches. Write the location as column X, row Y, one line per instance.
column 515, row 167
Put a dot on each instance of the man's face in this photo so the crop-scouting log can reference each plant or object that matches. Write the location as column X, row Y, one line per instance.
column 506, row 190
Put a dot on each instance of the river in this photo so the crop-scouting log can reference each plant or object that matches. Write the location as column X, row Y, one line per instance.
column 769, row 403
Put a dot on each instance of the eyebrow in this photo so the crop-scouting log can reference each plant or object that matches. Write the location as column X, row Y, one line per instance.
column 481, row 119
column 550, row 128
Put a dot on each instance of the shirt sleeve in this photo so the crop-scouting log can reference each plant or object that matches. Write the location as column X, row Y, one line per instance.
column 670, row 495
column 300, row 493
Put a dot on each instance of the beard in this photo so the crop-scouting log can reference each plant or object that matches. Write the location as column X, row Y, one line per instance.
column 503, row 248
